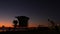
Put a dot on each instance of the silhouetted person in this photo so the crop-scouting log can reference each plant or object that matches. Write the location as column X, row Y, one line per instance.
column 23, row 21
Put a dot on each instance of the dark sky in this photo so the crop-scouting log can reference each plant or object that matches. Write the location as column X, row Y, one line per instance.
column 38, row 11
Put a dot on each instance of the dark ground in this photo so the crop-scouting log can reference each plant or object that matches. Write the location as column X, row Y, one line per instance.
column 32, row 32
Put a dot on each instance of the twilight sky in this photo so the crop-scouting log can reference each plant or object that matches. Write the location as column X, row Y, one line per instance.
column 38, row 11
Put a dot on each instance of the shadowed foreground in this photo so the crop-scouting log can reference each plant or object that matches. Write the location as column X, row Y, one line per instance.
column 34, row 32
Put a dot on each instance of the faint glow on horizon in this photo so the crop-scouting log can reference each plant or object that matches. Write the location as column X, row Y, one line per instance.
column 7, row 23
